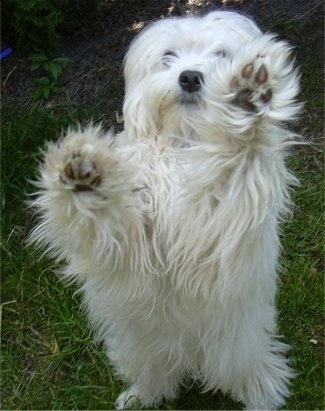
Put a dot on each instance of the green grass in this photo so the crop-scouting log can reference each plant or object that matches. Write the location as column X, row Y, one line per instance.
column 48, row 357
column 49, row 360
column 45, row 339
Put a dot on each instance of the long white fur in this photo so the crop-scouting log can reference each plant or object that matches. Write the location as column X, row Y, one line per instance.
column 176, row 250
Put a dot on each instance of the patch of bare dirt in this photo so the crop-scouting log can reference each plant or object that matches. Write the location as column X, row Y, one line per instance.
column 95, row 76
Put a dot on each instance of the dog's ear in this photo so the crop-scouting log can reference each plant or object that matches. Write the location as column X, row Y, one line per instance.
column 240, row 24
column 140, row 55
column 140, row 119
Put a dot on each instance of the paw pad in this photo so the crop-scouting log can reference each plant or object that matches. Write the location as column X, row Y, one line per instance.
column 251, row 87
column 81, row 173
column 247, row 70
column 261, row 75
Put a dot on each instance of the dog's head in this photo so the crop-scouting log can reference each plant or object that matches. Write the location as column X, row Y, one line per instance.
column 168, row 66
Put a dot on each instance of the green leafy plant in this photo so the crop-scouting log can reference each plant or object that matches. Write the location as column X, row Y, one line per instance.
column 39, row 24
column 35, row 24
column 50, row 71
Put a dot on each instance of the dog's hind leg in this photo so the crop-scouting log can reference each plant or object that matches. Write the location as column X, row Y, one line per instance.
column 156, row 382
column 248, row 360
column 265, row 383
column 151, row 362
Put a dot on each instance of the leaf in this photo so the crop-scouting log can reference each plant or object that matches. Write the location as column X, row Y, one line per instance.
column 35, row 65
column 62, row 60
column 46, row 92
column 46, row 66
column 39, row 58
column 38, row 94
column 55, row 69
column 43, row 81
column 55, row 349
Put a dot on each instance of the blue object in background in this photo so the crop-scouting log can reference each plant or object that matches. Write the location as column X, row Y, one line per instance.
column 5, row 52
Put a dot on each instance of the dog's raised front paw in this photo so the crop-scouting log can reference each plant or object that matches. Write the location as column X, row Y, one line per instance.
column 251, row 86
column 80, row 171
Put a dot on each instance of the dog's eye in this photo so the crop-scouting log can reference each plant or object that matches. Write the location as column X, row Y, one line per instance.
column 169, row 55
column 222, row 53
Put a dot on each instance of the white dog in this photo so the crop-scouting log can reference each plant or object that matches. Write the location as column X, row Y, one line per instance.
column 170, row 228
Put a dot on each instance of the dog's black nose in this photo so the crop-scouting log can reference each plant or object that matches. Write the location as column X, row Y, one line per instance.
column 191, row 81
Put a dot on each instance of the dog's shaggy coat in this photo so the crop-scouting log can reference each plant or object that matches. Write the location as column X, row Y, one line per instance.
column 170, row 228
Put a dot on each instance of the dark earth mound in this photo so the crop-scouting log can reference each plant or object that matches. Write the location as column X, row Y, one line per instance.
column 94, row 79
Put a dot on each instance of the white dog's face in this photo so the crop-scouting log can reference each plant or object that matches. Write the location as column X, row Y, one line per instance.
column 169, row 67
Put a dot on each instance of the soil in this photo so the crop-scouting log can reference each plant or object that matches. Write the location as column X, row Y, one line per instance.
column 94, row 79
